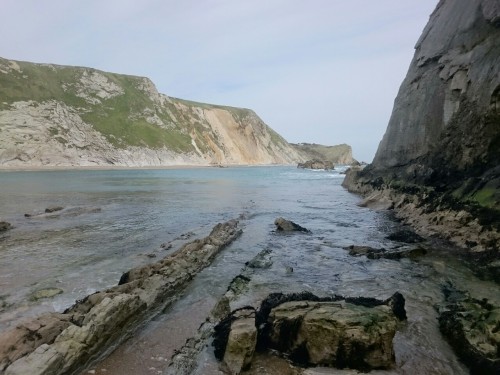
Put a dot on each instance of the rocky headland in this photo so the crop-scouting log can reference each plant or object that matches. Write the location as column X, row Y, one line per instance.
column 62, row 116
column 437, row 166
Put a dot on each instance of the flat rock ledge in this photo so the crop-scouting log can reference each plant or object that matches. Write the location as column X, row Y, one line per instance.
column 66, row 343
column 337, row 331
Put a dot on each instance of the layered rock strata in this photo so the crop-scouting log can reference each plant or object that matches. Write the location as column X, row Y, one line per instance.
column 65, row 343
column 437, row 165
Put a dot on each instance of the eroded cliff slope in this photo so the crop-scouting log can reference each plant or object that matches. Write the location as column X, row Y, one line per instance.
column 54, row 115
column 438, row 164
column 338, row 154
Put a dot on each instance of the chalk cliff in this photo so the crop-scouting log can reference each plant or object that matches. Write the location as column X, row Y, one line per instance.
column 438, row 164
column 53, row 115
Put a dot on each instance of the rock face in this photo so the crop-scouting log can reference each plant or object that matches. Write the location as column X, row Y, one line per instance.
column 437, row 164
column 54, row 115
column 317, row 164
column 62, row 343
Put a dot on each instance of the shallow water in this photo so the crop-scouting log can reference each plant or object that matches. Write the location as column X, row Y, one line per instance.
column 115, row 220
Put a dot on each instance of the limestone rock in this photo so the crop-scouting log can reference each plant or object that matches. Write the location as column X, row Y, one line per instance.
column 284, row 225
column 241, row 341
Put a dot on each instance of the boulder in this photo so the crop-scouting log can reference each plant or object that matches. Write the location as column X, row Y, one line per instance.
column 313, row 331
column 471, row 327
column 241, row 341
column 284, row 225
column 5, row 226
column 317, row 164
column 338, row 334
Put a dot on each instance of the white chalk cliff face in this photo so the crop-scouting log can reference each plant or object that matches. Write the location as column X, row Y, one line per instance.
column 67, row 116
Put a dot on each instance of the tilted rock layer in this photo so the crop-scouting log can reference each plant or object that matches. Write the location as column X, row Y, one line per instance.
column 438, row 162
column 65, row 343
column 53, row 115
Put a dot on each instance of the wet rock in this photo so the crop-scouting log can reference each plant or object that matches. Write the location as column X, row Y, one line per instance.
column 94, row 323
column 261, row 260
column 29, row 335
column 237, row 286
column 241, row 341
column 406, row 236
column 283, row 225
column 317, row 164
column 362, row 250
column 336, row 334
column 52, row 209
column 5, row 226
column 395, row 254
column 471, row 327
column 45, row 293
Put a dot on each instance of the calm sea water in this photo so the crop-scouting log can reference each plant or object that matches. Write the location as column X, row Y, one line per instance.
column 115, row 220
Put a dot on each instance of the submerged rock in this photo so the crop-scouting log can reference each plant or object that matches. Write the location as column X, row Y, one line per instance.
column 5, row 226
column 62, row 343
column 284, row 225
column 471, row 327
column 45, row 293
column 51, row 209
column 395, row 254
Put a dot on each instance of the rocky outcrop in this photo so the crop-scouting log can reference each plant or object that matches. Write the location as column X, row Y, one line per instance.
column 339, row 154
column 62, row 343
column 471, row 327
column 340, row 332
column 411, row 252
column 317, row 164
column 54, row 115
column 284, row 225
column 437, row 164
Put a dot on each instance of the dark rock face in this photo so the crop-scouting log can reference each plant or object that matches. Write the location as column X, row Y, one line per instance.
column 317, row 164
column 62, row 343
column 471, row 327
column 438, row 160
column 284, row 225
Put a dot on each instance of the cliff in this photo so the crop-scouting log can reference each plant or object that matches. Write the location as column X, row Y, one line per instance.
column 54, row 115
column 338, row 154
column 438, row 164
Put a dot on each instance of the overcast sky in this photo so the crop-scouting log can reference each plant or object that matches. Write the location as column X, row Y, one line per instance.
column 317, row 71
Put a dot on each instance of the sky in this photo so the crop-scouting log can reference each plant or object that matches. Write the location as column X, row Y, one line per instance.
column 317, row 71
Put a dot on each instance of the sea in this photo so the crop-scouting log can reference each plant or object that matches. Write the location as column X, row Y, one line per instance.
column 114, row 220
